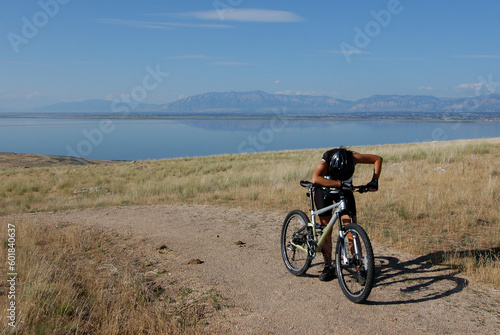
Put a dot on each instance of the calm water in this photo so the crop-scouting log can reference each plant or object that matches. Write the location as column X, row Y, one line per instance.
column 155, row 139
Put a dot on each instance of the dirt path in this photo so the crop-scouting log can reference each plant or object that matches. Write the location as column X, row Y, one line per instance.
column 410, row 294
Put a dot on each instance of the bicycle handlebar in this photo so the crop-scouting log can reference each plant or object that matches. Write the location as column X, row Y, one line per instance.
column 362, row 188
column 308, row 184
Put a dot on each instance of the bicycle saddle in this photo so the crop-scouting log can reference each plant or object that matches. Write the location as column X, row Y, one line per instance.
column 305, row 183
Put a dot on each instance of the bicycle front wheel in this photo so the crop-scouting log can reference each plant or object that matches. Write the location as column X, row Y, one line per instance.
column 355, row 269
column 294, row 242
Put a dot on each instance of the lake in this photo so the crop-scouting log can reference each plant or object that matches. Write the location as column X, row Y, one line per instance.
column 127, row 139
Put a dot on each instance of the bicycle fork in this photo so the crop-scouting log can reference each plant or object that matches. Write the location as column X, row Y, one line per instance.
column 357, row 253
column 342, row 246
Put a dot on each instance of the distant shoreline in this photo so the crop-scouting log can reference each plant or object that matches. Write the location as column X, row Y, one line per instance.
column 359, row 116
column 27, row 160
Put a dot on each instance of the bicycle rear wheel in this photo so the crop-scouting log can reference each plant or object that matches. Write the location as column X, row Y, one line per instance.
column 356, row 272
column 294, row 246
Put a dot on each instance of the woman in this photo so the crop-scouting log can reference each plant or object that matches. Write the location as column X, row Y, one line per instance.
column 335, row 171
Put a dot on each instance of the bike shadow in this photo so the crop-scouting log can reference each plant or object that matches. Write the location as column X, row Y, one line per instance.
column 421, row 279
column 407, row 282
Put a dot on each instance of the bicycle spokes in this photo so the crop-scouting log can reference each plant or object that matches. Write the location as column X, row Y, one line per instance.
column 295, row 245
column 355, row 266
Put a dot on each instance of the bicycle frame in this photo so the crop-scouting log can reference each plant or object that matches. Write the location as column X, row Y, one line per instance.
column 339, row 206
column 336, row 216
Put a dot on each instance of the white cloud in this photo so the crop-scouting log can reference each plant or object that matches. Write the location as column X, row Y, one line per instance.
column 470, row 86
column 286, row 92
column 277, row 81
column 111, row 96
column 20, row 95
column 245, row 15
column 426, row 88
column 159, row 24
column 31, row 95
column 230, row 14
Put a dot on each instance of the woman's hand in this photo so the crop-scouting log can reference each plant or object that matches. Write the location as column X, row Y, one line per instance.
column 373, row 185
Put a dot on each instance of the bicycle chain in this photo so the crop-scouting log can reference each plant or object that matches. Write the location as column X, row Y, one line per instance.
column 311, row 244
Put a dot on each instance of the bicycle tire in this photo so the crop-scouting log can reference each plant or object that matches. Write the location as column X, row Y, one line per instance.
column 352, row 274
column 295, row 227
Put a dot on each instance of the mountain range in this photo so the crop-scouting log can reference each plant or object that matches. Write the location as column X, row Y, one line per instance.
column 262, row 103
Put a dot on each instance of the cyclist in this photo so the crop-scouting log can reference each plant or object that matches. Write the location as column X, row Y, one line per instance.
column 336, row 171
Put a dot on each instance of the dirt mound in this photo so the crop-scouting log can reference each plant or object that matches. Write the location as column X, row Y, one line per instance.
column 14, row 160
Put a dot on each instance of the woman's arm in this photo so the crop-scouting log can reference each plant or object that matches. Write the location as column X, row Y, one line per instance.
column 321, row 170
column 370, row 159
column 318, row 176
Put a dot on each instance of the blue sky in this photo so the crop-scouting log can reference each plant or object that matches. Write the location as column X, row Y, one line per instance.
column 72, row 50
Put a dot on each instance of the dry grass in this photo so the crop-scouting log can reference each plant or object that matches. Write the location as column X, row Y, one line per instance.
column 73, row 280
column 248, row 180
column 437, row 199
column 441, row 199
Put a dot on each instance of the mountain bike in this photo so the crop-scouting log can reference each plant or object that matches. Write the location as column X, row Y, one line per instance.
column 301, row 238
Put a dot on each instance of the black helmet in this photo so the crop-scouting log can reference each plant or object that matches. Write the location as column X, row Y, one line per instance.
column 342, row 165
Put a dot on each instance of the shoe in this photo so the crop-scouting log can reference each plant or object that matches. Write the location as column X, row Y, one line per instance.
column 328, row 273
column 361, row 277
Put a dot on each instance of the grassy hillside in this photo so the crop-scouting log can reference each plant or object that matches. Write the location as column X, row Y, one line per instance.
column 438, row 199
column 440, row 196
